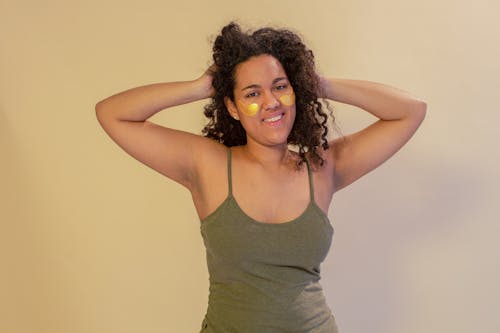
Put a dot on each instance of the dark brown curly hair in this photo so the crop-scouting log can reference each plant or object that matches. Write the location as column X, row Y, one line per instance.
column 231, row 47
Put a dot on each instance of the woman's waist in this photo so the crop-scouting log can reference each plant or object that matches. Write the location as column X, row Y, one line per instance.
column 248, row 310
column 247, row 296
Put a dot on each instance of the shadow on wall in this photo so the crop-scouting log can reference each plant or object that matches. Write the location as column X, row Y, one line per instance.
column 365, row 271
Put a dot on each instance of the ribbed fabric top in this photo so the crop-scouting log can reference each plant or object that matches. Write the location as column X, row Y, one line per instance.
column 264, row 277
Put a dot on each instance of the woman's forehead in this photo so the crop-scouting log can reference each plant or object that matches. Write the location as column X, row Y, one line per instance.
column 259, row 70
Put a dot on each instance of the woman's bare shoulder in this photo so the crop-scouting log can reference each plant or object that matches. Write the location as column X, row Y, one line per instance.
column 209, row 151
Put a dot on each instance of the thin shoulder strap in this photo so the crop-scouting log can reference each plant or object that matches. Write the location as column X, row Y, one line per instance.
column 311, row 185
column 229, row 177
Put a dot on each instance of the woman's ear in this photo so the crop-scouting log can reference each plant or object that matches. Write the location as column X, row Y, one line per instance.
column 231, row 108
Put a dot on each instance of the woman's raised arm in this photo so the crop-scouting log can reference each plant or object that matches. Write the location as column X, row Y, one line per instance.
column 399, row 117
column 171, row 152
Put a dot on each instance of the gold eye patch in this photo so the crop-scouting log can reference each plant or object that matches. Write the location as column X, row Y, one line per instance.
column 248, row 109
column 288, row 99
column 251, row 109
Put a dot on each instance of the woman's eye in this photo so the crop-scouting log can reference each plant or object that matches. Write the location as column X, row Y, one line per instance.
column 252, row 94
column 281, row 87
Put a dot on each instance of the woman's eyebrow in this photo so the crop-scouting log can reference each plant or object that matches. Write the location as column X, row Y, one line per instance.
column 253, row 86
column 279, row 79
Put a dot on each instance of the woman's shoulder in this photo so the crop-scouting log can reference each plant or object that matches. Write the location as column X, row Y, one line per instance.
column 209, row 151
column 322, row 161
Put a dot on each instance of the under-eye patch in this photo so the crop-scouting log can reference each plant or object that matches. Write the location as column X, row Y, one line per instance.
column 249, row 109
column 287, row 99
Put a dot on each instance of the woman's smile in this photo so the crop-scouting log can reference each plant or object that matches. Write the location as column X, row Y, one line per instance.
column 274, row 120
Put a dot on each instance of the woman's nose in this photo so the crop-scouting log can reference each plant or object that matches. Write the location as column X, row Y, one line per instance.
column 270, row 101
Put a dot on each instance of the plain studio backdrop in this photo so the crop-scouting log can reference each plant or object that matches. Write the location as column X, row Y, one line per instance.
column 92, row 241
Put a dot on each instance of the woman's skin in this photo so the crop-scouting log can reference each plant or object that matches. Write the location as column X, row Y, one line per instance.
column 266, row 183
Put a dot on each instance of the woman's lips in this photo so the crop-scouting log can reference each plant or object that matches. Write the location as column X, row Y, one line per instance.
column 274, row 119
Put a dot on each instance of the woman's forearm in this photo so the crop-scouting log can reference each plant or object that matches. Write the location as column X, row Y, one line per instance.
column 384, row 102
column 139, row 104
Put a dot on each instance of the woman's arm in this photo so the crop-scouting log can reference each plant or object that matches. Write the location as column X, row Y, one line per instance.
column 171, row 152
column 139, row 104
column 399, row 117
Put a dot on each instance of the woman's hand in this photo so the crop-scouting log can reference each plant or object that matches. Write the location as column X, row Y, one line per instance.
column 322, row 86
column 205, row 80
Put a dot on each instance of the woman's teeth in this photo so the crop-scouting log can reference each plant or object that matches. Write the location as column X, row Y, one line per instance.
column 276, row 118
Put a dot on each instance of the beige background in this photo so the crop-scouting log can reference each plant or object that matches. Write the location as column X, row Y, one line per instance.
column 92, row 241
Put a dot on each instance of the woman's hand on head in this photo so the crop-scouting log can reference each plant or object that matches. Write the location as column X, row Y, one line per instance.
column 206, row 80
column 323, row 86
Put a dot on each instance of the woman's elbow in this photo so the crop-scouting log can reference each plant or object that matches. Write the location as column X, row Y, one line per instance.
column 419, row 109
column 101, row 109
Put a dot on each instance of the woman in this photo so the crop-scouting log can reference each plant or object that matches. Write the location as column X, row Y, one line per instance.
column 263, row 205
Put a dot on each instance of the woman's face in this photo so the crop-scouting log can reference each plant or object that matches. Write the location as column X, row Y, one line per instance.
column 264, row 100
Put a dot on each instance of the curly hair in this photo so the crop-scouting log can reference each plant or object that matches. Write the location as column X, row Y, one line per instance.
column 232, row 47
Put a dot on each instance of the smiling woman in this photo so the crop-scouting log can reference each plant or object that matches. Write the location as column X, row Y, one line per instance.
column 262, row 206
column 261, row 85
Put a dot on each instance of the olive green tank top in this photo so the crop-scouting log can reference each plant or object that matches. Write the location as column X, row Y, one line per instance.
column 264, row 277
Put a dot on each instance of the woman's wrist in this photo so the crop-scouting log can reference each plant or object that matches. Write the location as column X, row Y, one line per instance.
column 204, row 86
column 204, row 83
column 324, row 89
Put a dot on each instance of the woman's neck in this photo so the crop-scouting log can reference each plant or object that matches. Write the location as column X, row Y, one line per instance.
column 269, row 157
